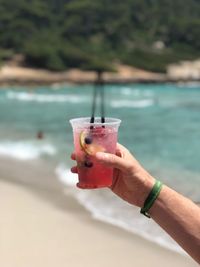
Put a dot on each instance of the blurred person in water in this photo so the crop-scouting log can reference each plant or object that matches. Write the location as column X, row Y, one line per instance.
column 40, row 135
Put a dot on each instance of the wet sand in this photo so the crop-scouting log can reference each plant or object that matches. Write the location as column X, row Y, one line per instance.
column 41, row 226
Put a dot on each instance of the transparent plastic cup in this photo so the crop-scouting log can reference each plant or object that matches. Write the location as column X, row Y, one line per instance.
column 90, row 138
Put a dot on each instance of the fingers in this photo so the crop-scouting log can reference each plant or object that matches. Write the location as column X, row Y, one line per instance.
column 113, row 161
column 74, row 169
column 119, row 153
column 122, row 149
column 125, row 153
column 116, row 161
column 73, row 156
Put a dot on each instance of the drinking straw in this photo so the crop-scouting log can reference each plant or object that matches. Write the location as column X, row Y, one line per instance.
column 94, row 104
column 102, row 103
column 98, row 89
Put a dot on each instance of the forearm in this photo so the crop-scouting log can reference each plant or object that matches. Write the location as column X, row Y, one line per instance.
column 180, row 218
column 177, row 215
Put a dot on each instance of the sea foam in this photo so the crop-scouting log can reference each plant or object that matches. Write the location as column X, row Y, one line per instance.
column 105, row 206
column 66, row 176
column 29, row 96
column 26, row 150
column 143, row 103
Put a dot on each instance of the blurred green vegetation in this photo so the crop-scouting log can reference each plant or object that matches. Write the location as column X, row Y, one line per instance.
column 91, row 34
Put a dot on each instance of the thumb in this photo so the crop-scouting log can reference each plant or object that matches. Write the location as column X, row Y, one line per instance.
column 113, row 161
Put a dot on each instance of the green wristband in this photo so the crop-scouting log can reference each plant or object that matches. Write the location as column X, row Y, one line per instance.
column 151, row 198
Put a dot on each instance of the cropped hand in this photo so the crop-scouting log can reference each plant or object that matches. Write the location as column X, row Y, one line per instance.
column 131, row 181
column 176, row 214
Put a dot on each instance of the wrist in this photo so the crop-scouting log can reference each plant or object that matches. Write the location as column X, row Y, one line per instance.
column 146, row 187
column 153, row 195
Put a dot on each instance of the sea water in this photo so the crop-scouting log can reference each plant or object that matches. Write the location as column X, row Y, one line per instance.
column 160, row 126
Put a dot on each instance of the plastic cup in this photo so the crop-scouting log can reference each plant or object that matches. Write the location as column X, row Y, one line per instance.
column 90, row 138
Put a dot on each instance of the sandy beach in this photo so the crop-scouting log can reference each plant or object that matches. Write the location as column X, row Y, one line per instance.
column 14, row 73
column 40, row 226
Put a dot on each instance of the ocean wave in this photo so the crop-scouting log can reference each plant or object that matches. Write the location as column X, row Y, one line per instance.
column 121, row 214
column 143, row 103
column 29, row 96
column 129, row 91
column 136, row 92
column 65, row 175
column 106, row 207
column 26, row 150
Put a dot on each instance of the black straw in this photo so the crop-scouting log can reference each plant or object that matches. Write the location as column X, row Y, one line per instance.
column 98, row 89
column 102, row 105
column 94, row 104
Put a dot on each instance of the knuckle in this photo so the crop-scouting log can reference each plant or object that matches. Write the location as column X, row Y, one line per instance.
column 112, row 158
column 130, row 168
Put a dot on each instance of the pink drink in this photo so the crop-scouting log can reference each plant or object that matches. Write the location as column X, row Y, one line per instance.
column 88, row 141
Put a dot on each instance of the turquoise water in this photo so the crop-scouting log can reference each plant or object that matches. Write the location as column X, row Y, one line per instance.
column 160, row 125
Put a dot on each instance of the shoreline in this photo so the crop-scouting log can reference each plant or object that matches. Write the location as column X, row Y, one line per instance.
column 24, row 76
column 31, row 193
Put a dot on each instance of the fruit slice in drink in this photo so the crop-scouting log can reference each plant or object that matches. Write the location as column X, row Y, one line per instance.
column 93, row 174
column 87, row 141
column 87, row 144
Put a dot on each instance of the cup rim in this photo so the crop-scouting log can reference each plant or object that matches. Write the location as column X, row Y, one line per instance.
column 108, row 121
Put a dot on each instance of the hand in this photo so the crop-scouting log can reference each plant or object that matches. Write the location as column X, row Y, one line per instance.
column 131, row 181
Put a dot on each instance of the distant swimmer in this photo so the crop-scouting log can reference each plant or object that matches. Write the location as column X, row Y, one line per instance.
column 40, row 135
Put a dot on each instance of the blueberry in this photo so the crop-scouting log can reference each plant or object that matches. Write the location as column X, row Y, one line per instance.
column 88, row 164
column 88, row 140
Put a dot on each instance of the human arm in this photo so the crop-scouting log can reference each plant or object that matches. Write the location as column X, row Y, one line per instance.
column 180, row 218
column 177, row 215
